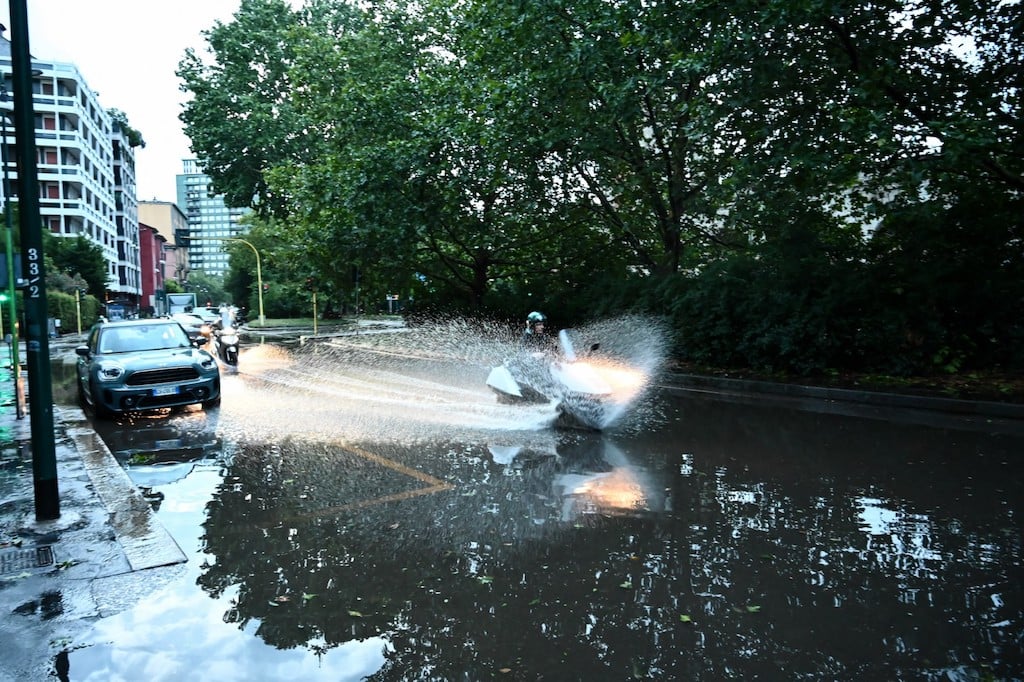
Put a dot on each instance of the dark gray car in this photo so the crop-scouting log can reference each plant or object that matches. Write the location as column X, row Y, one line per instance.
column 138, row 365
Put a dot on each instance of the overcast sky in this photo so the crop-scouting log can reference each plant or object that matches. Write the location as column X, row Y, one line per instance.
column 128, row 51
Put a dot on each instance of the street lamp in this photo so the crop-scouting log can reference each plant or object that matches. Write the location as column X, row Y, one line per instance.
column 259, row 273
column 78, row 307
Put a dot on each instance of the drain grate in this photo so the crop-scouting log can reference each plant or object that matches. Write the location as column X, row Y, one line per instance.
column 14, row 560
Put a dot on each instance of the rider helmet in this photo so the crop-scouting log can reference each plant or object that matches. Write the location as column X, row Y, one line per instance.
column 535, row 318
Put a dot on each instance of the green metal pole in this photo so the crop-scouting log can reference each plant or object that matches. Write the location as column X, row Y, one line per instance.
column 40, row 391
column 12, row 304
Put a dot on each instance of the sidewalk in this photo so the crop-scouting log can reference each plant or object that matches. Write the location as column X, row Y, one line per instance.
column 93, row 561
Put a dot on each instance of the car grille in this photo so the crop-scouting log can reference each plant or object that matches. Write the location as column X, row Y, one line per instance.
column 162, row 376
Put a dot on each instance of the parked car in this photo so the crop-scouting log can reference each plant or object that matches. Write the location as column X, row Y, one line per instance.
column 136, row 365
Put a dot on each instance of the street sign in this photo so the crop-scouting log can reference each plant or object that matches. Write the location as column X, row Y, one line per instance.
column 17, row 267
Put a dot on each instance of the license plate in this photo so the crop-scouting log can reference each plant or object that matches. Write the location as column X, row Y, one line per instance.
column 165, row 390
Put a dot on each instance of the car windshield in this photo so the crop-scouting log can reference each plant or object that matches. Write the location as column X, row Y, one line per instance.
column 143, row 337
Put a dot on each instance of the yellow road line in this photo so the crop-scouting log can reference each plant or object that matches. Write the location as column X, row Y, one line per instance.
column 434, row 485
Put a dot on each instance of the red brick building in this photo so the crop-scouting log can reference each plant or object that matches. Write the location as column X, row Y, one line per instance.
column 152, row 266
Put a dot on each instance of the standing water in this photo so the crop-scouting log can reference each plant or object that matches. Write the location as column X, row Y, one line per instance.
column 374, row 513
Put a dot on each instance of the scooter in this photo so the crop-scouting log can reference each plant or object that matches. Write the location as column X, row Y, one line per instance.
column 225, row 343
column 588, row 392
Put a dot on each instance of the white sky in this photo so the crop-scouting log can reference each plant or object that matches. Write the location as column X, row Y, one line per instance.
column 127, row 51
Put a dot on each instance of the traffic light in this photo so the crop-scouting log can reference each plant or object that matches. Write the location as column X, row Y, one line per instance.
column 310, row 284
column 266, row 287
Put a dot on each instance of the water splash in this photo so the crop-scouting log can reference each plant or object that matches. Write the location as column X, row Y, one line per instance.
column 407, row 385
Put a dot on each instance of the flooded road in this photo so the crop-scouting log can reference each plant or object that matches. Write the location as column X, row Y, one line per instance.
column 377, row 515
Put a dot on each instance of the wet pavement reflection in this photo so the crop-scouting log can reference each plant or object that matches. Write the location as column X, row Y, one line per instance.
column 348, row 516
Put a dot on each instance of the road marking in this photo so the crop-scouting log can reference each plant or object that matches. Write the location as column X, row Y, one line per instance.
column 433, row 485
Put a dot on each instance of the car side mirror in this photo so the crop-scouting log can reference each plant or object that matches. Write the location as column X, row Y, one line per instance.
column 82, row 351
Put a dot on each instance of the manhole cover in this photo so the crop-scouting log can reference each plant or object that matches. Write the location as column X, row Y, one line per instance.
column 14, row 560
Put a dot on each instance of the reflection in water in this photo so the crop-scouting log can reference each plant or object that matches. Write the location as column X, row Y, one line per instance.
column 385, row 520
column 293, row 521
column 706, row 565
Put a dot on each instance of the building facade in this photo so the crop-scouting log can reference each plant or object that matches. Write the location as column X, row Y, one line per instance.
column 126, row 283
column 86, row 171
column 152, row 268
column 210, row 221
column 170, row 222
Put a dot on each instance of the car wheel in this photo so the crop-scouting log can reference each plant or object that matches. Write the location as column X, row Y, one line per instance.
column 212, row 403
column 97, row 408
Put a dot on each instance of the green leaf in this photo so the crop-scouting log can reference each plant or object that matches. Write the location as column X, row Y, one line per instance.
column 355, row 614
column 685, row 619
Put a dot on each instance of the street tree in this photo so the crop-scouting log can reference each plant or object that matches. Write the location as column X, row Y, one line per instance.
column 240, row 118
column 80, row 259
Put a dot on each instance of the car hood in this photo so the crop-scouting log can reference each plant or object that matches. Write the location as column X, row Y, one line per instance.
column 148, row 359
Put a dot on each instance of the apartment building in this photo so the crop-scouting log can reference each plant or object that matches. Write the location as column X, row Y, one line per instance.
column 86, row 171
column 210, row 221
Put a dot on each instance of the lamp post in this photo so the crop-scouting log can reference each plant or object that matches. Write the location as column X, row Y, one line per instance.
column 78, row 308
column 12, row 307
column 259, row 273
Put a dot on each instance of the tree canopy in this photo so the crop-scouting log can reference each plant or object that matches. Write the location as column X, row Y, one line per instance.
column 797, row 186
column 75, row 262
column 133, row 136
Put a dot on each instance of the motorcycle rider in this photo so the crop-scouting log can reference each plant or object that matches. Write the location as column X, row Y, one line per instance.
column 534, row 335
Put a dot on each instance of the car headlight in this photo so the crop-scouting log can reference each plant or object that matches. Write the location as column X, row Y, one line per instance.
column 109, row 371
column 208, row 362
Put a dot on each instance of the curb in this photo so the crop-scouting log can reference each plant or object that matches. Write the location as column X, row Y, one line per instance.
column 146, row 543
column 932, row 411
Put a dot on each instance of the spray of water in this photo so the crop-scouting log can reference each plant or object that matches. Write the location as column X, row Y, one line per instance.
column 412, row 384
